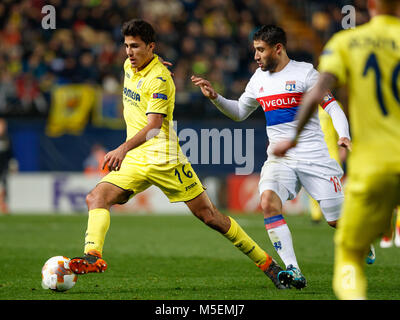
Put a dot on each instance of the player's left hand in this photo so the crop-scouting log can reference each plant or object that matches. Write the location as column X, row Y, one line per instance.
column 345, row 143
column 282, row 147
column 114, row 158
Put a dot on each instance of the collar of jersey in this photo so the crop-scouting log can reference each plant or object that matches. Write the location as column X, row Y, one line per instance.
column 386, row 18
column 144, row 71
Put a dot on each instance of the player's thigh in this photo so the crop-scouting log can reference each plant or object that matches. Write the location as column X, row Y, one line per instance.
column 322, row 182
column 279, row 178
column 130, row 178
column 367, row 210
column 179, row 182
column 321, row 179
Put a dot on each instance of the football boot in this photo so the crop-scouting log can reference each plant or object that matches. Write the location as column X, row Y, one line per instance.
column 90, row 262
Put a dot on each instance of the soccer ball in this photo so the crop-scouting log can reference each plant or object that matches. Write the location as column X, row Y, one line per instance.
column 56, row 274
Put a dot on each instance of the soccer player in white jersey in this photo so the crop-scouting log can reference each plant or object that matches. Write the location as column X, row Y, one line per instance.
column 278, row 85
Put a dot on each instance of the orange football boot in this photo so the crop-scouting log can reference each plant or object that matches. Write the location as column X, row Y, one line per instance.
column 90, row 262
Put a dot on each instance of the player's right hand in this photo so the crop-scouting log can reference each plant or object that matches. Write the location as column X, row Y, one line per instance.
column 205, row 87
column 114, row 158
column 282, row 147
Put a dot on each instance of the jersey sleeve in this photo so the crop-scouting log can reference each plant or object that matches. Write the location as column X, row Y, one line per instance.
column 160, row 95
column 332, row 59
column 339, row 120
column 248, row 100
column 311, row 80
column 237, row 110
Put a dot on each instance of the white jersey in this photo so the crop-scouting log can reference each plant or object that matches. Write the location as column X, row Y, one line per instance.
column 279, row 94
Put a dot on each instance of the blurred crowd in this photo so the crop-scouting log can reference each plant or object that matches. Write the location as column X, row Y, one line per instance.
column 325, row 16
column 210, row 38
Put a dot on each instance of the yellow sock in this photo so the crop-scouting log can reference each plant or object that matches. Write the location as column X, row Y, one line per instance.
column 247, row 245
column 349, row 281
column 98, row 224
column 398, row 217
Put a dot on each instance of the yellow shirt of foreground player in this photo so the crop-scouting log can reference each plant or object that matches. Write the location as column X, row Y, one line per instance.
column 367, row 59
column 151, row 90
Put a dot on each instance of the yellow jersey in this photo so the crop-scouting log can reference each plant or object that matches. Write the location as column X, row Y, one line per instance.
column 367, row 59
column 151, row 90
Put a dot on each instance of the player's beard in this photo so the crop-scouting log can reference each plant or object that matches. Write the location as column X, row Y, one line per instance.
column 270, row 64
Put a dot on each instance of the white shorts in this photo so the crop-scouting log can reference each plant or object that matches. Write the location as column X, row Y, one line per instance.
column 286, row 177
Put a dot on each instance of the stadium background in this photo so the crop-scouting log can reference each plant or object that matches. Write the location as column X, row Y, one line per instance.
column 60, row 90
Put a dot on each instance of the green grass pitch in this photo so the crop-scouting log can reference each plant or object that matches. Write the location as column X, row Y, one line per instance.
column 173, row 258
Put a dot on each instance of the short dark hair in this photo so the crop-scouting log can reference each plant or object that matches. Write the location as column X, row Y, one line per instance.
column 271, row 34
column 141, row 28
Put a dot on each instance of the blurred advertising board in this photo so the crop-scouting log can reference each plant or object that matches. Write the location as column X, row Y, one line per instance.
column 243, row 196
column 64, row 193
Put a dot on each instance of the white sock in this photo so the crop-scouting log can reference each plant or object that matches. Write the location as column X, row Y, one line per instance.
column 281, row 239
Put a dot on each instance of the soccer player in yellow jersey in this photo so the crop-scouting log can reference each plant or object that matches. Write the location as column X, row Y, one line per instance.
column 367, row 59
column 335, row 151
column 393, row 234
column 151, row 155
column 331, row 137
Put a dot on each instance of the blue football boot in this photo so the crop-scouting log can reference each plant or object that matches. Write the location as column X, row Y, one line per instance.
column 292, row 277
column 371, row 257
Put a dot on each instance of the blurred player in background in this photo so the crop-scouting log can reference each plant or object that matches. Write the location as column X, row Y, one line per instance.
column 336, row 152
column 278, row 85
column 5, row 158
column 393, row 234
column 93, row 164
column 151, row 155
column 331, row 138
column 366, row 58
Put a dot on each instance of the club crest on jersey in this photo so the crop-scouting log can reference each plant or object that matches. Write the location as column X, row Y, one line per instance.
column 328, row 97
column 290, row 85
column 327, row 100
column 261, row 90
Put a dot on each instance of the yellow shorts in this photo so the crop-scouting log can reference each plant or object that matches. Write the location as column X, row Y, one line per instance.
column 369, row 202
column 179, row 182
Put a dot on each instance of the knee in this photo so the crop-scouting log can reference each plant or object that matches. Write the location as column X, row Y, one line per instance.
column 90, row 198
column 269, row 205
column 94, row 200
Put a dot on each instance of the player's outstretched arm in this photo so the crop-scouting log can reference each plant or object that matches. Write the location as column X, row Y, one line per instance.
column 234, row 109
column 340, row 124
column 205, row 87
